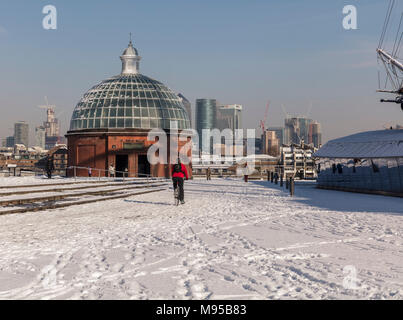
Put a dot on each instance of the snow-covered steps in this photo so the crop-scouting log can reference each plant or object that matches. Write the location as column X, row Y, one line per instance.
column 61, row 187
column 75, row 201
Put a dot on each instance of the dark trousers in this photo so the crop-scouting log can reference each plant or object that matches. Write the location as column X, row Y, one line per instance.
column 179, row 182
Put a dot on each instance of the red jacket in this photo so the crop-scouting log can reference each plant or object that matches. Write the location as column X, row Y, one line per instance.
column 182, row 174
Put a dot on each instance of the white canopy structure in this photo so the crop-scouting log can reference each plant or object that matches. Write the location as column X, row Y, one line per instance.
column 370, row 144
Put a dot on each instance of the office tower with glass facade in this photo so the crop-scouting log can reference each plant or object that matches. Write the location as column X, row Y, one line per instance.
column 40, row 136
column 206, row 115
column 21, row 133
column 296, row 130
column 10, row 142
column 291, row 131
column 229, row 117
column 304, row 128
column 315, row 134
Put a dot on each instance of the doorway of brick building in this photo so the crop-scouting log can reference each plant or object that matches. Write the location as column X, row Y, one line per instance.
column 143, row 167
column 122, row 163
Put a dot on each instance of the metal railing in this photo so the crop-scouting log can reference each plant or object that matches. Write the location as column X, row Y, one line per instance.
column 125, row 175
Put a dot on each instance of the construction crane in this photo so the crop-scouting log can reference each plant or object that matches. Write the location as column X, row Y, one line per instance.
column 47, row 106
column 285, row 112
column 262, row 124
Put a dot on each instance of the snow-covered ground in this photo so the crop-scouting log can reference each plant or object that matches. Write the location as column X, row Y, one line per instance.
column 231, row 240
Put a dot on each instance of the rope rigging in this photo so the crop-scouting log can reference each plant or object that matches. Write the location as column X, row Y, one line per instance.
column 386, row 22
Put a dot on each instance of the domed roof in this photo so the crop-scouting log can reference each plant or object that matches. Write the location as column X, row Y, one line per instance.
column 130, row 50
column 129, row 100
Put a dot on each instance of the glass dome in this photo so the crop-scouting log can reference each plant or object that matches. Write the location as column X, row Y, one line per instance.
column 129, row 100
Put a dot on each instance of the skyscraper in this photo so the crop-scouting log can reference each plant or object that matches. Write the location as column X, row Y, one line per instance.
column 21, row 133
column 296, row 129
column 304, row 128
column 291, row 130
column 279, row 133
column 271, row 145
column 40, row 135
column 10, row 142
column 315, row 134
column 188, row 107
column 206, row 115
column 52, row 128
column 229, row 117
column 51, row 124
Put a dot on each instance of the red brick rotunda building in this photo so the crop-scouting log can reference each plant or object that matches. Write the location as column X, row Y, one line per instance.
column 110, row 123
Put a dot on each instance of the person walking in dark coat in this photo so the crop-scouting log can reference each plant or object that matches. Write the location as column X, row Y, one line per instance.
column 49, row 166
column 208, row 173
column 179, row 173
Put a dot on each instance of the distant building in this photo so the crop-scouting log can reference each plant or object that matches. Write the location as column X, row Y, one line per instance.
column 271, row 144
column 19, row 149
column 21, row 133
column 258, row 146
column 188, row 107
column 60, row 159
column 315, row 135
column 51, row 142
column 257, row 165
column 229, row 117
column 304, row 124
column 10, row 142
column 21, row 157
column 206, row 115
column 290, row 131
column 296, row 130
column 51, row 124
column 279, row 133
column 297, row 161
column 40, row 136
column 52, row 128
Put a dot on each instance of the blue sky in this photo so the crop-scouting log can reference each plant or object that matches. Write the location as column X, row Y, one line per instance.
column 292, row 52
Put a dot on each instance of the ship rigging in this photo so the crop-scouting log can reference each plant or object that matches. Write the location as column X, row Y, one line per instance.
column 391, row 61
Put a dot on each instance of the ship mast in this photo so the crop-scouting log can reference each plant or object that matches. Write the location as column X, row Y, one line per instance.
column 393, row 66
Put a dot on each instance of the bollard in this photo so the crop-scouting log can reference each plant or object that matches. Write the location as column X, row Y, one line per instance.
column 271, row 177
column 276, row 179
column 268, row 175
column 286, row 183
column 292, row 186
column 281, row 181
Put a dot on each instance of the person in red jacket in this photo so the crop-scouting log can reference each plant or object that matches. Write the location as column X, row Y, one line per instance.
column 179, row 173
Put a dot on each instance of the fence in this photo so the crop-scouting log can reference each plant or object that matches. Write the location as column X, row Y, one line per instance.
column 108, row 174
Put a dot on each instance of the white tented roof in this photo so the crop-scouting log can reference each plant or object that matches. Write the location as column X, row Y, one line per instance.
column 370, row 144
